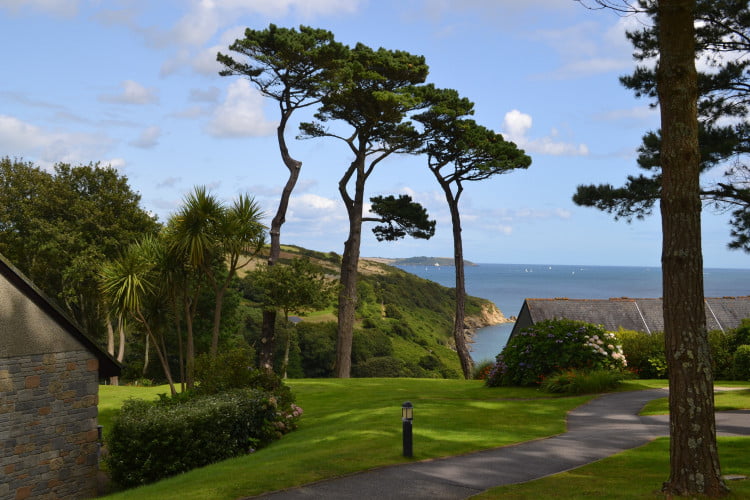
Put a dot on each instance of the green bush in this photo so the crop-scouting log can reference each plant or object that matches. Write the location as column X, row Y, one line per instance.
column 149, row 441
column 383, row 366
column 317, row 343
column 370, row 343
column 741, row 334
column 644, row 352
column 554, row 346
column 582, row 381
column 228, row 370
column 721, row 345
column 482, row 369
column 742, row 363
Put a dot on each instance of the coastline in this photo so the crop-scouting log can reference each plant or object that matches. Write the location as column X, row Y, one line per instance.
column 490, row 315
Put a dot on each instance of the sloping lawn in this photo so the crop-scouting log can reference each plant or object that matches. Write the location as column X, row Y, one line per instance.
column 633, row 474
column 355, row 424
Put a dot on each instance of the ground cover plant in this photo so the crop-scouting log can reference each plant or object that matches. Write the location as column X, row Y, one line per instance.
column 355, row 424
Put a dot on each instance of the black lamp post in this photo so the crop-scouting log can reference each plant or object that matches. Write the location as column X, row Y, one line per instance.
column 407, row 415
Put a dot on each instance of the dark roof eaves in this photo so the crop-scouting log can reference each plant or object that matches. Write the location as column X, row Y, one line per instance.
column 108, row 366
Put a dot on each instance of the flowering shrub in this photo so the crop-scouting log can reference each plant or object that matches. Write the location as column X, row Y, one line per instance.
column 555, row 346
column 286, row 419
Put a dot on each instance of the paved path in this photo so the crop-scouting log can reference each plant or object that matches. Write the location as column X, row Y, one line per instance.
column 605, row 426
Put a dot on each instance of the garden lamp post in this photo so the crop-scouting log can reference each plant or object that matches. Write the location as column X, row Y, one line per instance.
column 407, row 415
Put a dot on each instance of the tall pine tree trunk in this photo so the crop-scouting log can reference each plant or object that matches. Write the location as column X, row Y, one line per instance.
column 349, row 265
column 694, row 462
column 459, row 337
column 268, row 328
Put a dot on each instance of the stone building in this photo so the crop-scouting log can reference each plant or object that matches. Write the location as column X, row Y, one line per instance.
column 49, row 386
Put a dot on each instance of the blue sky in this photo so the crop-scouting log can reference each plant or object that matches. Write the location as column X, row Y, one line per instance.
column 134, row 84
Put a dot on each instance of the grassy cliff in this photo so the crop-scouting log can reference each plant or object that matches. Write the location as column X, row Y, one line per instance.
column 404, row 325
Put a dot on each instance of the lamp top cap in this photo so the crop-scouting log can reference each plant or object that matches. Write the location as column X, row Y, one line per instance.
column 407, row 405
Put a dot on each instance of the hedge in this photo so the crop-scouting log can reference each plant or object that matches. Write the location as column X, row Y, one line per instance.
column 153, row 440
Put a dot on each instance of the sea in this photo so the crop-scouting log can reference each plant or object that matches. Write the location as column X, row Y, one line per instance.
column 507, row 285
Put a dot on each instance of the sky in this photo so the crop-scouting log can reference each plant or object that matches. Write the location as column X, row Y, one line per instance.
column 134, row 84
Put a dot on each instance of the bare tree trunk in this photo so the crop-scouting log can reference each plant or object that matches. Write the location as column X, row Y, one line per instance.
column 114, row 380
column 190, row 348
column 694, row 461
column 268, row 329
column 145, row 356
column 459, row 337
column 217, row 320
column 121, row 335
column 349, row 265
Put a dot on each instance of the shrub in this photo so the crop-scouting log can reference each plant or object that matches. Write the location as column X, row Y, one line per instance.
column 228, row 370
column 582, row 381
column 644, row 352
column 742, row 363
column 482, row 369
column 741, row 334
column 721, row 347
column 317, row 343
column 552, row 346
column 153, row 440
column 383, row 366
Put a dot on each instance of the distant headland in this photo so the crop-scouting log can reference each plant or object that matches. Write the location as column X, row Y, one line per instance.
column 419, row 261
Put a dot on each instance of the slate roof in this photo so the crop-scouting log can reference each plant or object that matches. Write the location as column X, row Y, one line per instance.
column 108, row 367
column 643, row 315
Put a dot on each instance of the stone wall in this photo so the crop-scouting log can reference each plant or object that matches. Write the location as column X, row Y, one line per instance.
column 48, row 426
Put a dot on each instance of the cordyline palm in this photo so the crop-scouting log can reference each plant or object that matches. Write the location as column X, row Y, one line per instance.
column 128, row 286
column 204, row 231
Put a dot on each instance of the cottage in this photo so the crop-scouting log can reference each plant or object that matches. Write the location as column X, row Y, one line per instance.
column 49, row 385
column 644, row 315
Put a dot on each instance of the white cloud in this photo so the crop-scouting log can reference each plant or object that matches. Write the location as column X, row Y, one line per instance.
column 148, row 138
column 241, row 114
column 502, row 229
column 516, row 126
column 312, row 214
column 312, row 203
column 132, row 93
column 203, row 61
column 18, row 138
column 589, row 48
column 116, row 163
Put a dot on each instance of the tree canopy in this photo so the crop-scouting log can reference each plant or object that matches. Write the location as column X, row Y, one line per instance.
column 722, row 40
column 57, row 226
column 373, row 95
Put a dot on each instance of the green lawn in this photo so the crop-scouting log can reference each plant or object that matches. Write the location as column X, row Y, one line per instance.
column 355, row 424
column 634, row 474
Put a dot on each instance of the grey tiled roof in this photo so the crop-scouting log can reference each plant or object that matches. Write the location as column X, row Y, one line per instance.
column 644, row 315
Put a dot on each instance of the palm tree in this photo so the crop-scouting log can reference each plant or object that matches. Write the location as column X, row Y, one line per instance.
column 205, row 232
column 128, row 285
